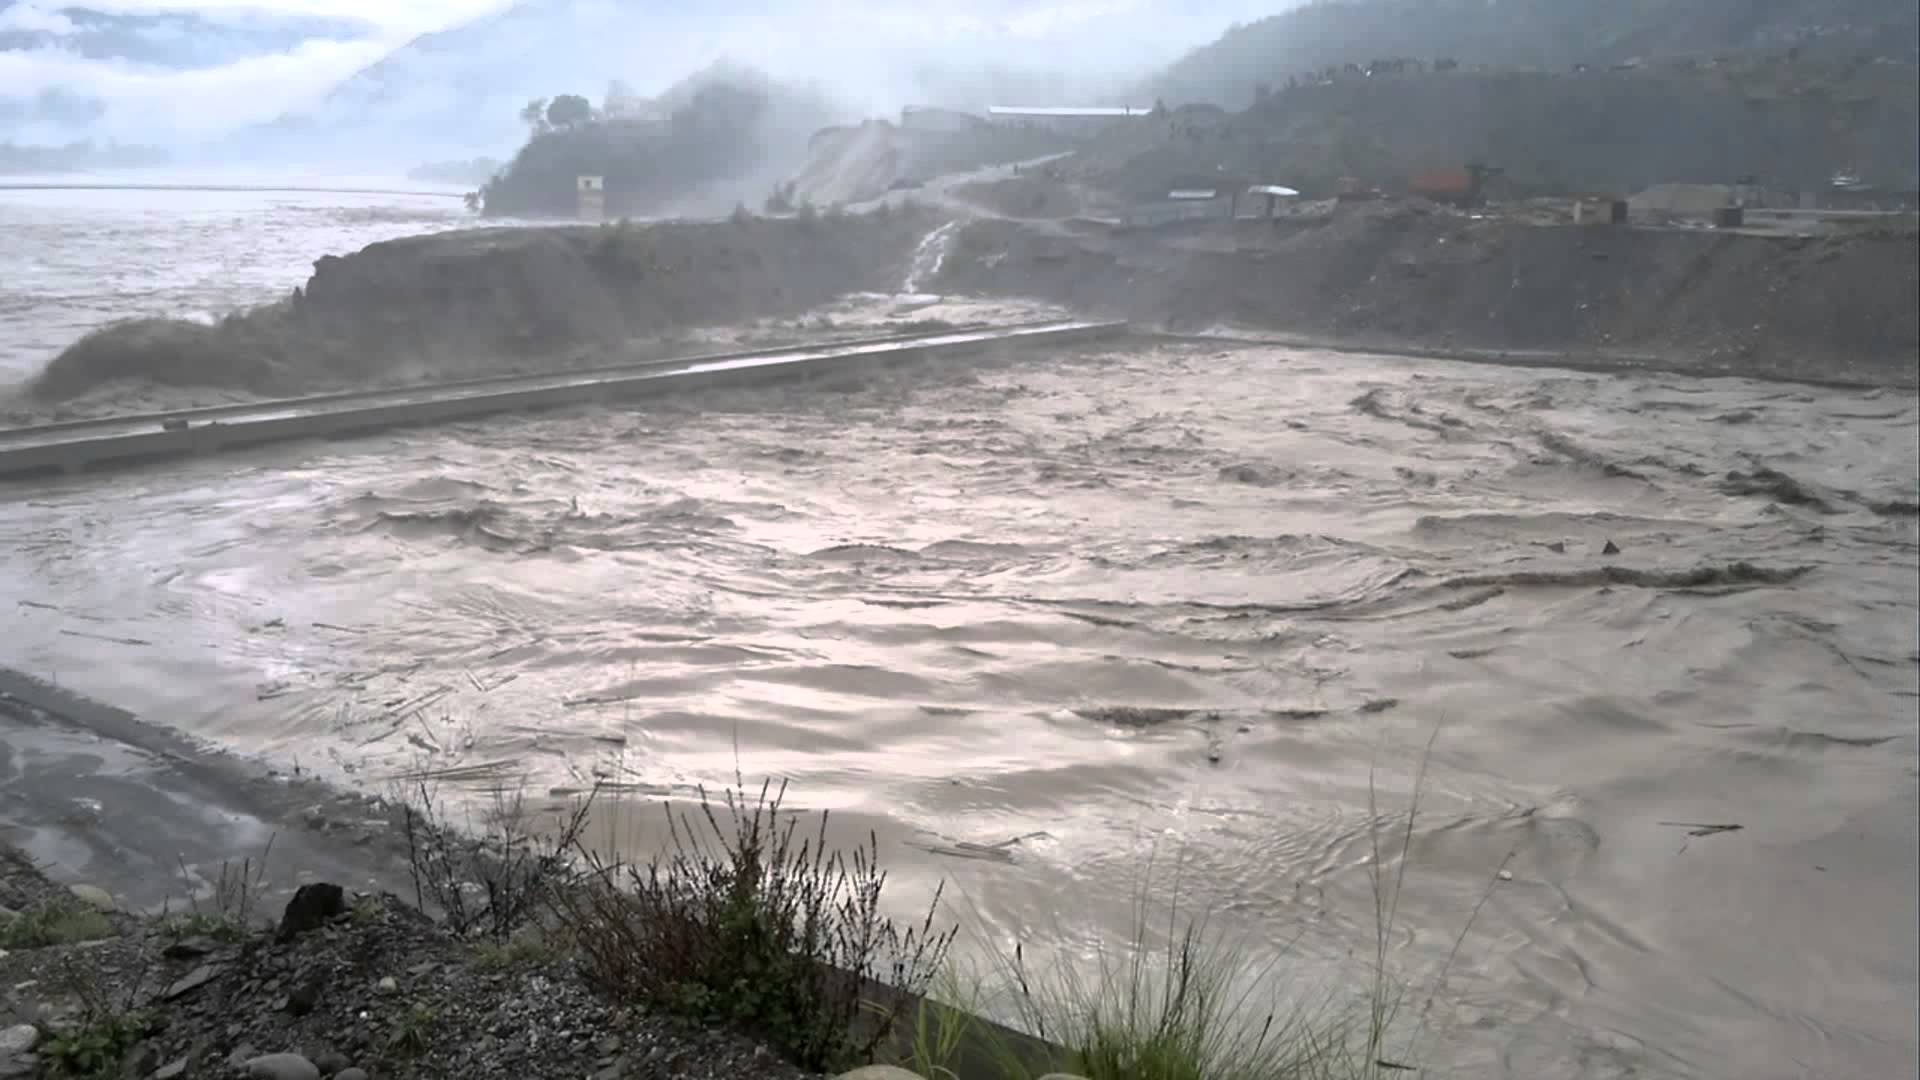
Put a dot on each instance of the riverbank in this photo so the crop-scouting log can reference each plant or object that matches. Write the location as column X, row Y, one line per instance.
column 344, row 985
column 523, row 953
column 1417, row 279
column 1409, row 278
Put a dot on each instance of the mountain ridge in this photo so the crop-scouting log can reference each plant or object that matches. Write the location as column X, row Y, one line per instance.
column 1543, row 34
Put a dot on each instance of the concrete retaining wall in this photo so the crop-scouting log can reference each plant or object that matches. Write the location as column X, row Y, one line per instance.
column 76, row 446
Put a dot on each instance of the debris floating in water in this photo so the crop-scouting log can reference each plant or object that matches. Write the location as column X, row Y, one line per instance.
column 1696, row 829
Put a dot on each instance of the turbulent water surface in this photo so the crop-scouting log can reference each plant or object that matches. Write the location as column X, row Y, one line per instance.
column 1194, row 612
column 75, row 259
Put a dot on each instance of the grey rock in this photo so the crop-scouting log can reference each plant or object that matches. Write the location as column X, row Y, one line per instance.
column 19, row 1067
column 879, row 1072
column 331, row 1062
column 172, row 1071
column 191, row 948
column 193, row 980
column 18, row 1039
column 282, row 1067
column 141, row 1061
column 305, row 994
column 96, row 896
column 387, row 985
column 351, row 1074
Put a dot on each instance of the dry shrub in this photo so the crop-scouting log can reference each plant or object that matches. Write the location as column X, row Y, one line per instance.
column 494, row 881
column 757, row 927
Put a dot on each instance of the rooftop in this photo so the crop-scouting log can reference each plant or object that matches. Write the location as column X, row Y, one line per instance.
column 1066, row 110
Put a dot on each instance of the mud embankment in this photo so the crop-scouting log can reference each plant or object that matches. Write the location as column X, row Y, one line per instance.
column 488, row 300
column 1836, row 308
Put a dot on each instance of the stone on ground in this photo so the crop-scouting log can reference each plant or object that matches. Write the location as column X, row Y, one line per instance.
column 282, row 1067
column 350, row 1074
column 94, row 895
column 18, row 1039
column 879, row 1072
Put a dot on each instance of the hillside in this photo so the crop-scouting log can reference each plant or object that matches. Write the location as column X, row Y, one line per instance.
column 1544, row 34
column 1838, row 308
column 1791, row 125
column 172, row 40
column 721, row 137
column 455, row 93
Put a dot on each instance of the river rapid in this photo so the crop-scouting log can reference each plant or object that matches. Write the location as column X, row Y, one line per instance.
column 1203, row 614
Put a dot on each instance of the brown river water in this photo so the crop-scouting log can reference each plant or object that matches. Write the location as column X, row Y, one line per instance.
column 1197, row 611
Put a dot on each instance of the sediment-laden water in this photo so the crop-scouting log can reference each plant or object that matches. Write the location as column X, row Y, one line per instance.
column 1198, row 611
column 75, row 260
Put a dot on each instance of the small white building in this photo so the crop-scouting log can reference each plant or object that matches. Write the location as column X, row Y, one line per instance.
column 591, row 191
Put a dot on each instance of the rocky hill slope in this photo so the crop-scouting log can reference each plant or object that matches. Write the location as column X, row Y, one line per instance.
column 1791, row 123
column 1546, row 34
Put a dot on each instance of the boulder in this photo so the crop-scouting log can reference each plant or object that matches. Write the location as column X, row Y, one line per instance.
column 94, row 896
column 282, row 1067
column 311, row 907
column 879, row 1072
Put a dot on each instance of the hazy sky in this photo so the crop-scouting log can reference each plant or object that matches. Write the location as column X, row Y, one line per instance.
column 398, row 15
column 844, row 44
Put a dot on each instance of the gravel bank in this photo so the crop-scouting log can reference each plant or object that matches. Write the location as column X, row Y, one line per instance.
column 362, row 981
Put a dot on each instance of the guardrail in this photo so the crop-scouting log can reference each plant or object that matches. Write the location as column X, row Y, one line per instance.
column 73, row 446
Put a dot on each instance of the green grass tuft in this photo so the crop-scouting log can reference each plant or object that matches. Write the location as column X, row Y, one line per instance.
column 95, row 1049
column 54, row 923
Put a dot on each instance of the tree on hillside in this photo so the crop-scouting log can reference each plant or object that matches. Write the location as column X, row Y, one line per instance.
column 569, row 111
column 534, row 115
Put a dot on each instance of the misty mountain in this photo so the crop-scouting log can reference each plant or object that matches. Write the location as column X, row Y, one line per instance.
column 723, row 136
column 1545, row 34
column 69, row 44
column 458, row 91
column 168, row 40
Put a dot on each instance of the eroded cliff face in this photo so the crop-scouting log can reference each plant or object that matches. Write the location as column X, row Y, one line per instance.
column 1835, row 307
column 474, row 302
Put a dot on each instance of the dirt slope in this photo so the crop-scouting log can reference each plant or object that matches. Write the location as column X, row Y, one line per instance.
column 491, row 299
column 1830, row 308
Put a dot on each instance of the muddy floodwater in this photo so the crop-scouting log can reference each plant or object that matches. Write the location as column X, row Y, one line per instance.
column 74, row 259
column 1050, row 624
